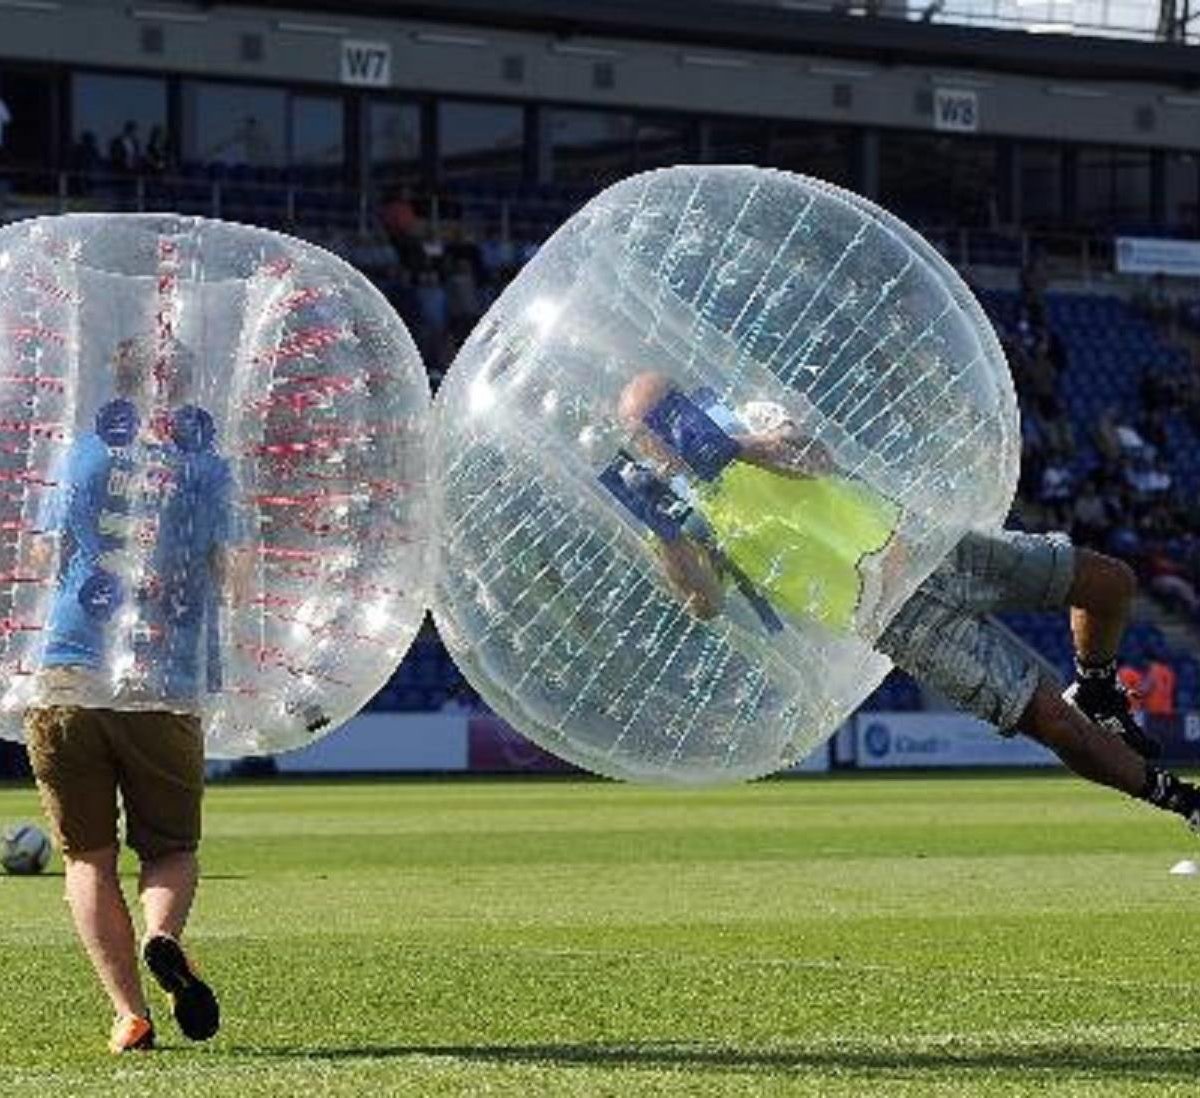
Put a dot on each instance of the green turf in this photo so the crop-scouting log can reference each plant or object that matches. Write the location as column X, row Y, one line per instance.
column 897, row 936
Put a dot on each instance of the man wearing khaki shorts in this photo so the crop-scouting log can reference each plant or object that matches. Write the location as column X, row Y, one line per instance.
column 139, row 520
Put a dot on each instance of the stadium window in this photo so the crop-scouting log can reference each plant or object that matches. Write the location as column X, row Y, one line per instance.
column 938, row 181
column 31, row 132
column 394, row 142
column 663, row 142
column 235, row 124
column 1114, row 188
column 482, row 142
column 1183, row 194
column 592, row 147
column 738, row 141
column 102, row 106
column 825, row 152
column 317, row 130
column 1041, row 177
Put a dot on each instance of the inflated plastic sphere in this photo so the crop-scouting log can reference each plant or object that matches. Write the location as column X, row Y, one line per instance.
column 695, row 458
column 212, row 477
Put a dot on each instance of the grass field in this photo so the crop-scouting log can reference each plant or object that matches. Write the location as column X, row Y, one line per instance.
column 898, row 936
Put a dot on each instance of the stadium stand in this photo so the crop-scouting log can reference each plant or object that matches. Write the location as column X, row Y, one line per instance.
column 440, row 193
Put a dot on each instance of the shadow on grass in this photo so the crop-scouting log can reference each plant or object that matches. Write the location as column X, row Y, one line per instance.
column 1086, row 1060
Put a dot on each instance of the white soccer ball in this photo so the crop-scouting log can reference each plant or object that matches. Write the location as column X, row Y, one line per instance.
column 24, row 850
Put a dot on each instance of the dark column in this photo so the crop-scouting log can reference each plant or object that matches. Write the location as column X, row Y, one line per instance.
column 866, row 162
column 1158, row 188
column 1070, row 185
column 431, row 160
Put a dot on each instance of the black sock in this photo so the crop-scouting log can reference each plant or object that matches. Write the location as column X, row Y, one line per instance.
column 1102, row 673
column 1171, row 794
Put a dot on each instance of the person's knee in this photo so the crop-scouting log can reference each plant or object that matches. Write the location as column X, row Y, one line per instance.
column 1049, row 719
column 157, row 859
column 101, row 862
column 1102, row 582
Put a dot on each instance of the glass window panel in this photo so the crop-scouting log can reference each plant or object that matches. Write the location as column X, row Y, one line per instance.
column 234, row 124
column 103, row 106
column 941, row 181
column 661, row 143
column 317, row 130
column 591, row 147
column 394, row 142
column 825, row 152
column 483, row 141
column 1114, row 188
column 737, row 141
column 1041, row 185
column 1183, row 193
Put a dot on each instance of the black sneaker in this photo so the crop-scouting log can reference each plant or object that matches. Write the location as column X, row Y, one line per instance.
column 1107, row 705
column 192, row 1001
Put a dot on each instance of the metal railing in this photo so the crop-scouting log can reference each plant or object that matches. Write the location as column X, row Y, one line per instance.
column 516, row 219
column 1137, row 19
column 281, row 205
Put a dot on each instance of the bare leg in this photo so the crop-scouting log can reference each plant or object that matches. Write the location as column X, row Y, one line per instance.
column 168, row 886
column 103, row 924
column 1100, row 597
column 1085, row 748
column 1104, row 758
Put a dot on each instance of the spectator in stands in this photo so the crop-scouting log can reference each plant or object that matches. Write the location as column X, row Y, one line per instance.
column 460, row 246
column 255, row 143
column 158, row 154
column 1157, row 303
column 1033, row 282
column 125, row 150
column 1090, row 518
column 86, row 161
column 249, row 144
column 1057, row 484
column 1167, row 578
column 1146, row 475
column 1116, row 437
column 1044, row 374
column 1158, row 687
column 1123, row 539
column 400, row 221
column 431, row 333
column 462, row 299
column 1057, row 431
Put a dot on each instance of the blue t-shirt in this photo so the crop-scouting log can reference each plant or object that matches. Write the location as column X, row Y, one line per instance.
column 166, row 503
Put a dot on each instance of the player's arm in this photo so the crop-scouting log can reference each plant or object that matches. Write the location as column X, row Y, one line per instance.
column 231, row 569
column 693, row 576
column 787, row 451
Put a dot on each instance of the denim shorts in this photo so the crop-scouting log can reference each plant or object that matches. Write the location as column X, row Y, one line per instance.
column 944, row 638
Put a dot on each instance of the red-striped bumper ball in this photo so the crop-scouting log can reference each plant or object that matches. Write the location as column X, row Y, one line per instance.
column 212, row 478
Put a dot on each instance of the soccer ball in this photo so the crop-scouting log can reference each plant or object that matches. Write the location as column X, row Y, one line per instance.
column 24, row 850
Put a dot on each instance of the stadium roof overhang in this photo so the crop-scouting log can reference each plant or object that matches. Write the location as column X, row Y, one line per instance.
column 741, row 26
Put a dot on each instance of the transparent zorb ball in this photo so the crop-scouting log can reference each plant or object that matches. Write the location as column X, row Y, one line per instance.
column 695, row 458
column 212, row 477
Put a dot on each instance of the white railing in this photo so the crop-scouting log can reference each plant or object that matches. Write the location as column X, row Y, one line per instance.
column 1137, row 19
column 511, row 220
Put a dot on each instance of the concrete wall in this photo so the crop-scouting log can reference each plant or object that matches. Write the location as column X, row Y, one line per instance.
column 276, row 45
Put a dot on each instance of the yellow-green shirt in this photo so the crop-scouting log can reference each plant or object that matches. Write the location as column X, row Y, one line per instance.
column 801, row 541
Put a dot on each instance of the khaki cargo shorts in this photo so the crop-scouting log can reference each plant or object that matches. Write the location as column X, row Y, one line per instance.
column 83, row 757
